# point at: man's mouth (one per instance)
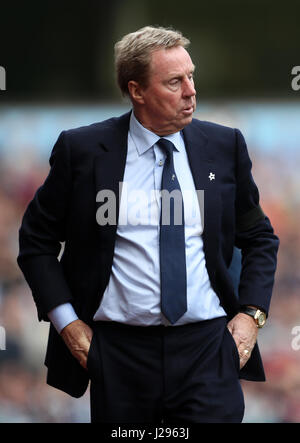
(188, 110)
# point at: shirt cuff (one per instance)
(62, 315)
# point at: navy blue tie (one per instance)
(172, 241)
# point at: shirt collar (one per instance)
(145, 139)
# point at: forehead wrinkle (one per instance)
(180, 72)
(165, 56)
(174, 72)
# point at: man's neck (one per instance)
(146, 123)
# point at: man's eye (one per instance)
(174, 82)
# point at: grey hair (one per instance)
(133, 53)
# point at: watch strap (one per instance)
(256, 314)
(248, 310)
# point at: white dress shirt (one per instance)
(132, 295)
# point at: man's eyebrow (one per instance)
(179, 74)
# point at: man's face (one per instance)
(168, 102)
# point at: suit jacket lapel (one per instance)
(203, 165)
(109, 169)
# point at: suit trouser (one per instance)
(158, 374)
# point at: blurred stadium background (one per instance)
(59, 63)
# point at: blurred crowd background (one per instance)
(59, 63)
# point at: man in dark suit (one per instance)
(143, 307)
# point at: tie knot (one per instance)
(166, 145)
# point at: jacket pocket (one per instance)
(90, 356)
(235, 352)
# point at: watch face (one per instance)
(261, 319)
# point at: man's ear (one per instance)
(135, 91)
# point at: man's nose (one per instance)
(189, 88)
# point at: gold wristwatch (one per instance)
(258, 315)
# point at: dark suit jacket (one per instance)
(88, 159)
